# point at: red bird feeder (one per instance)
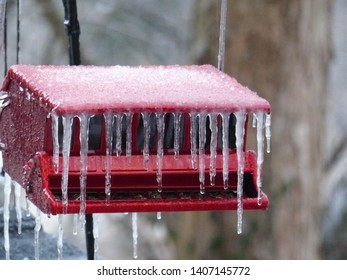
(85, 139)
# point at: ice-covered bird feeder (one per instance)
(95, 139)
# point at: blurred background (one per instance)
(291, 52)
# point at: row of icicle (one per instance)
(261, 120)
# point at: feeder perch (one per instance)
(131, 139)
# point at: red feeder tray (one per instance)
(160, 138)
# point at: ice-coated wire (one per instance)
(222, 27)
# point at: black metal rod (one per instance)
(72, 29)
(89, 237)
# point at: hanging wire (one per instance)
(222, 27)
(3, 28)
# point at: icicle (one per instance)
(177, 121)
(96, 235)
(159, 215)
(17, 194)
(55, 136)
(160, 149)
(254, 122)
(7, 194)
(27, 206)
(84, 137)
(225, 142)
(135, 234)
(129, 130)
(193, 136)
(67, 123)
(146, 133)
(268, 131)
(202, 142)
(119, 134)
(60, 237)
(222, 35)
(37, 233)
(109, 139)
(213, 147)
(75, 223)
(260, 152)
(239, 133)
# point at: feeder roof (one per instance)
(98, 89)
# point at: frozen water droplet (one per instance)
(160, 149)
(268, 131)
(225, 142)
(67, 124)
(108, 163)
(177, 121)
(193, 136)
(37, 233)
(135, 234)
(55, 135)
(239, 133)
(202, 142)
(213, 147)
(260, 152)
(147, 131)
(84, 137)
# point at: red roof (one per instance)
(97, 89)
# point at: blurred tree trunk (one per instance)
(280, 49)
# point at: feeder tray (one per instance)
(148, 131)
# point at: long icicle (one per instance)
(96, 235)
(260, 152)
(239, 133)
(225, 142)
(129, 129)
(37, 233)
(160, 149)
(177, 122)
(202, 142)
(135, 234)
(60, 242)
(55, 136)
(17, 194)
(84, 137)
(193, 136)
(146, 138)
(67, 127)
(268, 131)
(7, 194)
(109, 139)
(119, 117)
(213, 147)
